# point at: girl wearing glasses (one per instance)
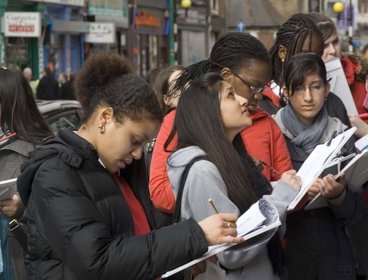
(242, 61)
(318, 244)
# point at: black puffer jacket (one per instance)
(80, 226)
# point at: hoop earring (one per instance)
(101, 129)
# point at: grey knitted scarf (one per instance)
(307, 137)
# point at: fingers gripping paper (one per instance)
(261, 217)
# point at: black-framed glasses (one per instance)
(253, 89)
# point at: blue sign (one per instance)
(240, 26)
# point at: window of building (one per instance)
(215, 6)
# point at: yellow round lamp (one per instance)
(338, 7)
(186, 4)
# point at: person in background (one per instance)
(355, 68)
(27, 73)
(318, 241)
(21, 129)
(48, 87)
(164, 87)
(210, 116)
(167, 97)
(365, 52)
(62, 79)
(88, 208)
(299, 34)
(151, 75)
(66, 90)
(243, 61)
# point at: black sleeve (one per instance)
(76, 231)
(336, 109)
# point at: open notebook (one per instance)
(262, 216)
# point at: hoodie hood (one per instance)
(56, 146)
(178, 160)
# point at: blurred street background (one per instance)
(61, 34)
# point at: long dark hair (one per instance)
(234, 50)
(19, 112)
(292, 35)
(198, 122)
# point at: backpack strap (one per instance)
(183, 178)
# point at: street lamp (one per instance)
(186, 4)
(338, 7)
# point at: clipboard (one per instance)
(314, 165)
(356, 174)
(339, 84)
(8, 188)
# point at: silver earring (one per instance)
(101, 129)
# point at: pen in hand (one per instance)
(228, 224)
(213, 205)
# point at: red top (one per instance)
(161, 193)
(140, 221)
(273, 96)
(263, 141)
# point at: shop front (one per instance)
(109, 16)
(22, 32)
(149, 35)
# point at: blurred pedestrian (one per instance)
(21, 129)
(365, 52)
(67, 89)
(318, 242)
(210, 116)
(86, 195)
(48, 87)
(62, 79)
(27, 73)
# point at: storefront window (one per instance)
(16, 52)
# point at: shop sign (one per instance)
(147, 19)
(101, 33)
(116, 8)
(63, 2)
(19, 24)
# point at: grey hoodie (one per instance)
(204, 181)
